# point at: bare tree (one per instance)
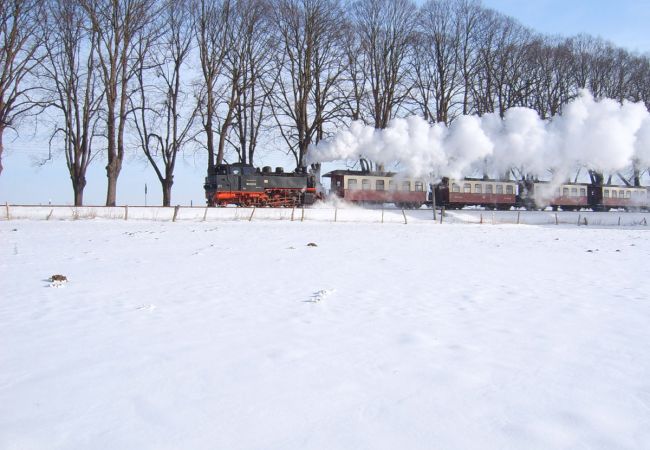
(120, 25)
(436, 64)
(386, 28)
(161, 112)
(21, 35)
(310, 63)
(253, 47)
(73, 79)
(213, 29)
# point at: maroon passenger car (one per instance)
(377, 187)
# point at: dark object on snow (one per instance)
(312, 244)
(59, 278)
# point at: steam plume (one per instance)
(602, 135)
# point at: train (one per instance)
(244, 185)
(374, 188)
(538, 195)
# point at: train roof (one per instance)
(359, 173)
(487, 180)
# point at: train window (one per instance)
(391, 185)
(365, 184)
(489, 189)
(455, 188)
(419, 187)
(406, 185)
(583, 192)
(565, 192)
(467, 188)
(614, 193)
(574, 192)
(606, 193)
(477, 188)
(509, 189)
(352, 184)
(500, 189)
(379, 185)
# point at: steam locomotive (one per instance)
(245, 185)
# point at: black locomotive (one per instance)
(245, 185)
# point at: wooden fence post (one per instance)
(176, 208)
(619, 221)
(302, 217)
(579, 217)
(336, 211)
(7, 208)
(382, 214)
(205, 214)
(442, 214)
(252, 212)
(50, 214)
(293, 210)
(481, 220)
(126, 212)
(557, 222)
(404, 214)
(518, 214)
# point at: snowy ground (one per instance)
(238, 335)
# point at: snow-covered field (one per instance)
(238, 335)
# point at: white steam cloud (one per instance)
(603, 135)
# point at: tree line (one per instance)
(226, 76)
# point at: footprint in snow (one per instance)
(148, 307)
(320, 295)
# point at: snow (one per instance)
(238, 335)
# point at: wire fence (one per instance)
(326, 214)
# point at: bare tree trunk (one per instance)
(78, 187)
(167, 191)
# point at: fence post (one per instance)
(205, 214)
(302, 217)
(556, 221)
(126, 212)
(518, 214)
(382, 214)
(176, 208)
(7, 208)
(579, 217)
(252, 212)
(404, 214)
(442, 214)
(619, 221)
(293, 210)
(50, 214)
(493, 213)
(585, 219)
(481, 220)
(336, 211)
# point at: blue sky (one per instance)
(624, 22)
